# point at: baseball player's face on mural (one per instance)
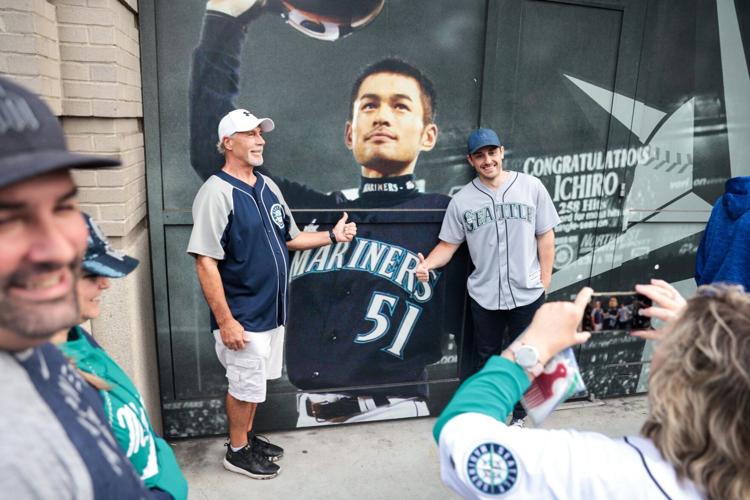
(42, 237)
(90, 289)
(488, 161)
(247, 146)
(387, 131)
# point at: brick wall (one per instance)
(82, 57)
(29, 47)
(116, 198)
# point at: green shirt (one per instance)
(492, 391)
(150, 455)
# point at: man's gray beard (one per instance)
(40, 321)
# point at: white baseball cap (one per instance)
(242, 120)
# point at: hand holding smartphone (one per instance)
(616, 311)
(668, 304)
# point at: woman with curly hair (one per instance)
(695, 441)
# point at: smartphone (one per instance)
(608, 311)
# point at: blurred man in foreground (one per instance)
(54, 440)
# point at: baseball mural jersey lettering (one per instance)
(358, 315)
(343, 330)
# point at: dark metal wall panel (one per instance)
(528, 96)
(152, 126)
(194, 359)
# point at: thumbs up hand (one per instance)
(344, 231)
(422, 270)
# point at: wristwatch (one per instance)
(527, 357)
(332, 236)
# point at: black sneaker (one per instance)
(250, 463)
(264, 446)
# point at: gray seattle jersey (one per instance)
(500, 229)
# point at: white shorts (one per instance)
(249, 368)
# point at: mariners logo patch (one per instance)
(277, 215)
(492, 469)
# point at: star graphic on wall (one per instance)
(662, 187)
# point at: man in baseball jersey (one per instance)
(358, 316)
(507, 220)
(55, 442)
(610, 314)
(624, 315)
(242, 228)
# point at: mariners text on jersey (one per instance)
(391, 262)
(473, 219)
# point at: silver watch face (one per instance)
(527, 356)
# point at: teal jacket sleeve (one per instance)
(492, 391)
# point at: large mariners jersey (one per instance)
(246, 228)
(358, 315)
(54, 440)
(500, 228)
(481, 457)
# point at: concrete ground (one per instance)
(385, 460)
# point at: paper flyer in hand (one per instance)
(560, 380)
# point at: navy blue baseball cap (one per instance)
(31, 138)
(480, 138)
(101, 259)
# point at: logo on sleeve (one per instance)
(277, 215)
(492, 469)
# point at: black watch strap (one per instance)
(332, 236)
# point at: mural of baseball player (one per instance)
(358, 316)
(629, 151)
(507, 219)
